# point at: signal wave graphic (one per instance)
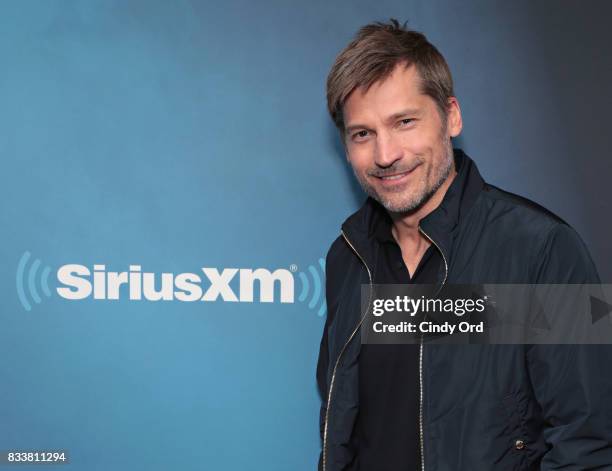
(26, 284)
(317, 298)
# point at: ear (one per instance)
(454, 121)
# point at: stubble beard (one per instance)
(423, 192)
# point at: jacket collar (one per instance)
(363, 228)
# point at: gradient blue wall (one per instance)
(187, 134)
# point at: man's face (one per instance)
(396, 141)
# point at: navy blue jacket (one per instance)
(482, 407)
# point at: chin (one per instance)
(400, 206)
(402, 203)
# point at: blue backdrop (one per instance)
(189, 134)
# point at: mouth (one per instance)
(396, 178)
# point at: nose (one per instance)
(388, 150)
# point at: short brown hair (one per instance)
(373, 54)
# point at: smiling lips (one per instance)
(391, 180)
(395, 177)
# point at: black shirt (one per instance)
(387, 427)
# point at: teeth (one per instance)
(394, 177)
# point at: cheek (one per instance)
(420, 141)
(360, 159)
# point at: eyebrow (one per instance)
(390, 119)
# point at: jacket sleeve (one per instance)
(572, 383)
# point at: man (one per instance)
(431, 218)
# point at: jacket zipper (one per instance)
(333, 377)
(421, 439)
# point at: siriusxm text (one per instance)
(211, 285)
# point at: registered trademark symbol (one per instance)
(293, 267)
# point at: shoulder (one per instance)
(505, 203)
(557, 251)
(343, 268)
(515, 218)
(337, 250)
(337, 258)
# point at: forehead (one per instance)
(400, 90)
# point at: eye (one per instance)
(406, 121)
(360, 134)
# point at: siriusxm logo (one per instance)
(245, 285)
(80, 283)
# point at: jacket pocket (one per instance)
(518, 441)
